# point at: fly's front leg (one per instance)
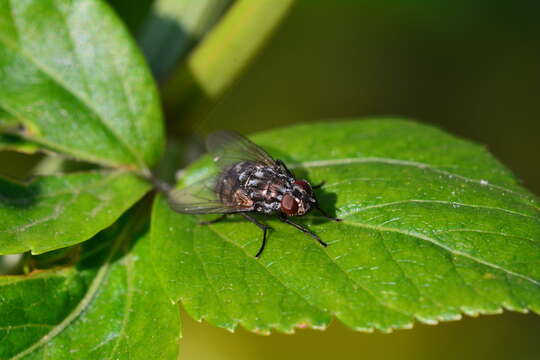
(303, 229)
(263, 227)
(282, 164)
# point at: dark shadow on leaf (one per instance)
(327, 202)
(120, 237)
(17, 195)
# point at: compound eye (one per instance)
(289, 205)
(304, 185)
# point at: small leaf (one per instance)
(57, 211)
(107, 306)
(433, 227)
(72, 76)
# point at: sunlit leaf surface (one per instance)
(433, 227)
(60, 210)
(73, 77)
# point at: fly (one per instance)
(250, 181)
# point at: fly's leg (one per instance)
(319, 185)
(303, 229)
(263, 227)
(279, 162)
(214, 220)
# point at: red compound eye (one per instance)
(289, 205)
(304, 185)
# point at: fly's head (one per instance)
(299, 200)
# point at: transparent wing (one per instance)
(228, 148)
(199, 198)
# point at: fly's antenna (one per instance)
(326, 215)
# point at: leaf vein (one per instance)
(81, 97)
(443, 246)
(405, 276)
(128, 305)
(536, 243)
(98, 280)
(443, 202)
(354, 283)
(272, 275)
(419, 165)
(210, 284)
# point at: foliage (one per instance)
(433, 227)
(97, 308)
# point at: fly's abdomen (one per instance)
(230, 186)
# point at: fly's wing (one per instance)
(199, 198)
(229, 148)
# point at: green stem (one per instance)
(173, 26)
(224, 54)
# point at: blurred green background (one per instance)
(469, 67)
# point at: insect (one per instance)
(249, 181)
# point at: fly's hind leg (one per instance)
(218, 219)
(263, 227)
(303, 229)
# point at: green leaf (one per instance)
(71, 74)
(173, 27)
(61, 210)
(107, 306)
(433, 227)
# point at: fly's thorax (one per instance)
(253, 185)
(264, 185)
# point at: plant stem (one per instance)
(224, 54)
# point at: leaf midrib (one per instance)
(439, 244)
(408, 163)
(110, 175)
(381, 230)
(442, 202)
